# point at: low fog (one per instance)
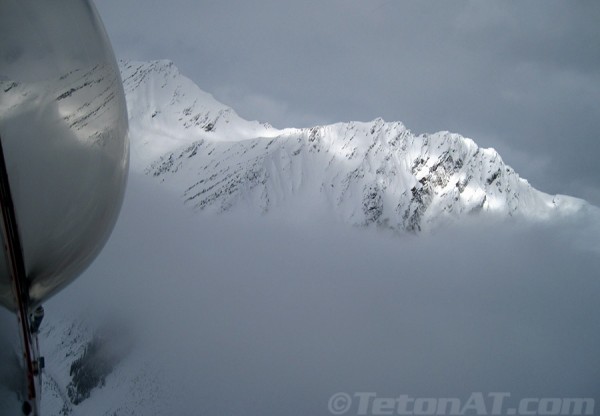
(263, 316)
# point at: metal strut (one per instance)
(16, 268)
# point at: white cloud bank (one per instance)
(255, 316)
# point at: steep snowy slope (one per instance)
(167, 110)
(365, 173)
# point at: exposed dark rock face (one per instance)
(100, 356)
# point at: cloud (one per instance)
(260, 316)
(256, 106)
(524, 73)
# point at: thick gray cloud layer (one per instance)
(251, 316)
(522, 77)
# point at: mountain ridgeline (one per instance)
(365, 173)
(200, 305)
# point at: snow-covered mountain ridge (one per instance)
(181, 312)
(364, 172)
(167, 110)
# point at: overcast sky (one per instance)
(522, 77)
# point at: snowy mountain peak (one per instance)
(217, 301)
(374, 172)
(167, 110)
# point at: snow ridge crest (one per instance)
(367, 173)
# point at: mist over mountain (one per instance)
(260, 271)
